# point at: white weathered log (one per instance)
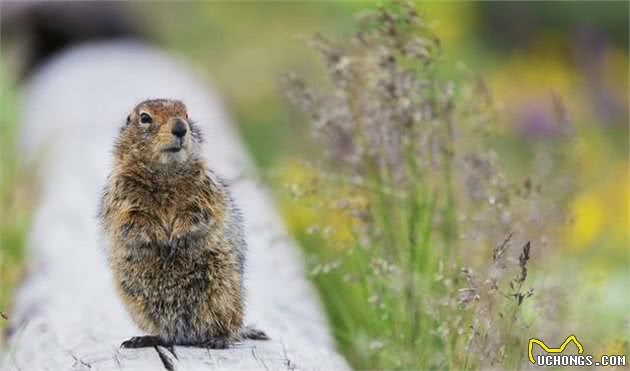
(66, 314)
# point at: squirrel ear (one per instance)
(128, 119)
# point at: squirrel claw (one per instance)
(142, 342)
(175, 244)
(172, 249)
(252, 333)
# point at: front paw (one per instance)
(135, 235)
(191, 225)
(173, 247)
(178, 244)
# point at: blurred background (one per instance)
(536, 58)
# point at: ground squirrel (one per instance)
(174, 236)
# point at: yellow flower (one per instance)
(452, 20)
(602, 211)
(309, 205)
(588, 213)
(616, 195)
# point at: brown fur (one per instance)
(174, 235)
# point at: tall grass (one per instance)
(416, 268)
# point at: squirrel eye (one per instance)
(145, 118)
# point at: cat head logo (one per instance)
(560, 349)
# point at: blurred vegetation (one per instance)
(15, 196)
(429, 216)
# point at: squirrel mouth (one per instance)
(175, 146)
(173, 149)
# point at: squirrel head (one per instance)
(159, 131)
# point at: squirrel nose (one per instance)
(179, 129)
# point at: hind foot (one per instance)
(144, 342)
(215, 343)
(249, 332)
